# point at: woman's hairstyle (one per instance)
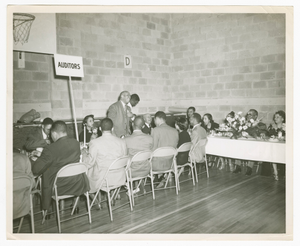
(193, 108)
(181, 123)
(86, 119)
(281, 113)
(210, 118)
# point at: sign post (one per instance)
(70, 66)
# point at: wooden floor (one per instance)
(223, 203)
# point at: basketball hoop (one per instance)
(21, 27)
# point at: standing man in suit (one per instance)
(62, 152)
(134, 100)
(163, 136)
(118, 113)
(136, 142)
(198, 132)
(40, 137)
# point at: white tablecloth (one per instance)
(247, 149)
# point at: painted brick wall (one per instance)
(215, 62)
(224, 62)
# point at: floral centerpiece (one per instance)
(241, 127)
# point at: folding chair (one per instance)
(20, 183)
(118, 165)
(138, 157)
(201, 143)
(68, 171)
(184, 148)
(164, 152)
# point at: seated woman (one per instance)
(277, 130)
(181, 126)
(90, 131)
(208, 123)
(189, 113)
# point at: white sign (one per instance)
(127, 62)
(68, 65)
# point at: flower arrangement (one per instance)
(240, 127)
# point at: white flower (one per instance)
(251, 120)
(240, 128)
(240, 113)
(245, 134)
(245, 127)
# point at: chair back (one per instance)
(164, 152)
(119, 163)
(69, 170)
(140, 156)
(184, 147)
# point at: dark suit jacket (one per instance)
(182, 157)
(120, 119)
(146, 129)
(35, 140)
(55, 156)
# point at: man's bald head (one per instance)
(138, 123)
(124, 97)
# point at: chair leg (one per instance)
(178, 178)
(20, 225)
(176, 181)
(193, 176)
(75, 204)
(130, 200)
(31, 214)
(109, 205)
(130, 189)
(196, 175)
(88, 206)
(44, 212)
(207, 173)
(57, 215)
(152, 186)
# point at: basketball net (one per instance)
(21, 27)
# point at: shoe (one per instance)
(276, 177)
(161, 184)
(237, 169)
(249, 171)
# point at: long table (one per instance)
(246, 149)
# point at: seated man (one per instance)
(102, 152)
(256, 128)
(39, 138)
(138, 141)
(198, 132)
(21, 168)
(163, 136)
(147, 126)
(62, 152)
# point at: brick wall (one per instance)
(215, 62)
(224, 62)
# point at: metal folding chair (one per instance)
(118, 165)
(201, 143)
(164, 152)
(68, 171)
(138, 157)
(20, 183)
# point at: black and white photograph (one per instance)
(131, 120)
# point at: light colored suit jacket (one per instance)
(120, 119)
(163, 136)
(139, 141)
(102, 152)
(197, 154)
